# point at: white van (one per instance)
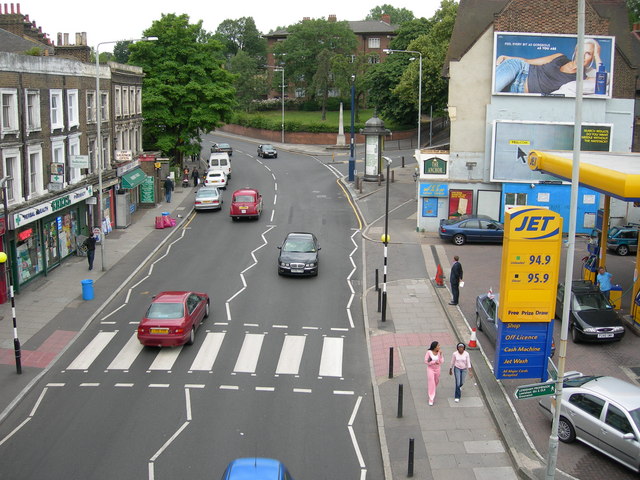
(220, 161)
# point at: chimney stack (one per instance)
(333, 18)
(386, 18)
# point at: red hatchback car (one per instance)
(246, 202)
(172, 319)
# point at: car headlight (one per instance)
(311, 264)
(618, 329)
(284, 264)
(590, 330)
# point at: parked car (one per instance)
(222, 147)
(592, 317)
(602, 412)
(215, 178)
(487, 317)
(208, 198)
(256, 469)
(471, 228)
(623, 240)
(299, 254)
(173, 318)
(267, 150)
(247, 203)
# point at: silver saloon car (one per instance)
(602, 412)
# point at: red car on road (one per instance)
(173, 318)
(246, 202)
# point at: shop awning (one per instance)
(133, 178)
(614, 174)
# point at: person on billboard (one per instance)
(543, 75)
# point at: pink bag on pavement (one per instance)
(166, 221)
(159, 222)
(173, 221)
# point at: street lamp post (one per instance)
(388, 51)
(3, 259)
(352, 143)
(280, 69)
(99, 157)
(386, 244)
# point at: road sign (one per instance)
(535, 390)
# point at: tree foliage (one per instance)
(186, 90)
(634, 11)
(307, 42)
(398, 15)
(250, 79)
(121, 52)
(242, 35)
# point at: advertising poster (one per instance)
(546, 65)
(512, 142)
(460, 203)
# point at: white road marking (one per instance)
(208, 352)
(249, 353)
(331, 359)
(165, 358)
(91, 351)
(291, 355)
(127, 355)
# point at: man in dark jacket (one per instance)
(196, 177)
(455, 278)
(90, 245)
(168, 188)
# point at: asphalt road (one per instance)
(103, 412)
(482, 271)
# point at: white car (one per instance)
(215, 178)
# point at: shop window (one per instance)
(28, 252)
(514, 200)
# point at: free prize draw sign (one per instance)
(528, 283)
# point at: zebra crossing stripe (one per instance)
(249, 353)
(166, 358)
(91, 351)
(208, 352)
(127, 355)
(331, 359)
(291, 355)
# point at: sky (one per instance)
(116, 20)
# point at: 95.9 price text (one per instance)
(538, 277)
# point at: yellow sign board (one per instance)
(530, 264)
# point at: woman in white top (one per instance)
(460, 365)
(433, 359)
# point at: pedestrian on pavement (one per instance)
(90, 245)
(195, 175)
(168, 188)
(433, 359)
(460, 365)
(456, 280)
(603, 280)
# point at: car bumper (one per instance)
(599, 337)
(306, 271)
(207, 207)
(149, 340)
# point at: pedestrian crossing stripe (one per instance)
(292, 350)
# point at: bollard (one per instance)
(400, 394)
(403, 161)
(393, 176)
(360, 186)
(379, 301)
(379, 179)
(390, 362)
(410, 469)
(377, 285)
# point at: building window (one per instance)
(104, 106)
(139, 101)
(118, 101)
(125, 101)
(32, 101)
(11, 164)
(333, 92)
(132, 101)
(74, 149)
(514, 200)
(119, 141)
(91, 107)
(9, 111)
(92, 155)
(72, 108)
(374, 58)
(35, 173)
(55, 109)
(106, 156)
(374, 42)
(300, 92)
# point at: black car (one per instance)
(267, 150)
(471, 228)
(222, 147)
(592, 318)
(299, 254)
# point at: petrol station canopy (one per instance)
(613, 174)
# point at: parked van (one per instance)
(220, 161)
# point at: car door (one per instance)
(492, 319)
(195, 309)
(585, 412)
(559, 301)
(471, 229)
(491, 231)
(619, 438)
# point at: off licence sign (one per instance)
(535, 390)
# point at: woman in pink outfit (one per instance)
(433, 359)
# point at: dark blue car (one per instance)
(471, 228)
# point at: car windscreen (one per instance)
(579, 381)
(299, 246)
(635, 416)
(165, 311)
(590, 301)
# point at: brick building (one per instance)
(48, 144)
(496, 119)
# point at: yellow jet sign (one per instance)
(530, 264)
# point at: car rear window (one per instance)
(244, 198)
(165, 311)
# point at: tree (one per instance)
(250, 79)
(398, 15)
(121, 51)
(309, 41)
(634, 11)
(242, 35)
(186, 90)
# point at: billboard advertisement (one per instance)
(546, 65)
(512, 142)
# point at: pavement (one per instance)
(480, 437)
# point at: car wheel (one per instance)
(478, 322)
(275, 156)
(192, 336)
(622, 250)
(206, 310)
(459, 239)
(566, 432)
(574, 334)
(235, 219)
